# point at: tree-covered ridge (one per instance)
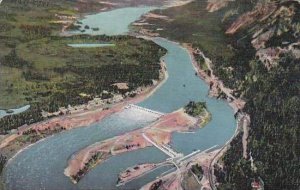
(38, 67)
(274, 136)
(58, 78)
(271, 87)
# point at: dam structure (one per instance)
(142, 109)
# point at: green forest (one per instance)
(39, 68)
(272, 94)
(195, 108)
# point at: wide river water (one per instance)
(42, 165)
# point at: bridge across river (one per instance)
(165, 149)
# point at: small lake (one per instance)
(42, 165)
(13, 111)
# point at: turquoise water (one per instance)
(90, 45)
(114, 22)
(14, 111)
(42, 165)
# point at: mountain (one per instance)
(255, 50)
(271, 86)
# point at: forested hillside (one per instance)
(39, 68)
(254, 47)
(271, 88)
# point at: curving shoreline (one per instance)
(216, 84)
(81, 118)
(216, 88)
(160, 132)
(145, 95)
(236, 104)
(8, 144)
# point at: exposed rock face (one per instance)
(273, 29)
(260, 38)
(215, 5)
(261, 12)
(265, 35)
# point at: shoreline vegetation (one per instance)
(217, 90)
(12, 145)
(33, 135)
(58, 90)
(81, 116)
(198, 110)
(204, 69)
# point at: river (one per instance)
(42, 165)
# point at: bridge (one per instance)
(190, 157)
(132, 106)
(180, 161)
(175, 157)
(165, 149)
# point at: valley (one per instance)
(149, 94)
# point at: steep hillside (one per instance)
(254, 48)
(272, 89)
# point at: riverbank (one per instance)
(135, 172)
(160, 132)
(82, 116)
(216, 85)
(69, 24)
(206, 161)
(217, 90)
